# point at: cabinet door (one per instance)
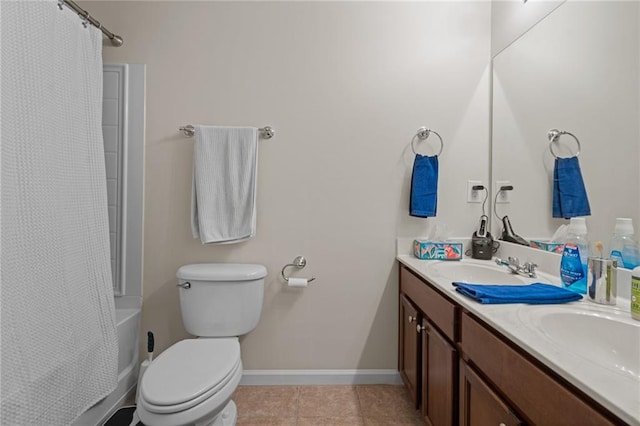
(409, 348)
(439, 377)
(479, 405)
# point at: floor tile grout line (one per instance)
(360, 413)
(298, 393)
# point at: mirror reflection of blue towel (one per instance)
(569, 194)
(533, 294)
(424, 186)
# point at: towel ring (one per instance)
(422, 134)
(299, 262)
(554, 136)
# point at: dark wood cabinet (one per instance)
(427, 321)
(439, 372)
(409, 352)
(479, 405)
(461, 371)
(539, 397)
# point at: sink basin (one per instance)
(610, 339)
(475, 273)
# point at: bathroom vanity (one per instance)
(471, 364)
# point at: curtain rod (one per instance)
(116, 40)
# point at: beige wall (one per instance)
(345, 85)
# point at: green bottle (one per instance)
(635, 293)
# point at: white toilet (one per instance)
(191, 382)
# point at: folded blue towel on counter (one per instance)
(424, 186)
(569, 194)
(533, 294)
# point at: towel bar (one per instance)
(266, 132)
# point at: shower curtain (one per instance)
(58, 335)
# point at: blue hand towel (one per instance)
(533, 294)
(424, 186)
(569, 194)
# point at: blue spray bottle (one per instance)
(575, 254)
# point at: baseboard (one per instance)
(321, 377)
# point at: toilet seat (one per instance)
(189, 373)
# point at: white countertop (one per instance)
(616, 390)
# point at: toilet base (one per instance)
(227, 417)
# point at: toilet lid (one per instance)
(189, 369)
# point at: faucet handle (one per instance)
(530, 268)
(514, 261)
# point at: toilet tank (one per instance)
(221, 299)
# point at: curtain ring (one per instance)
(554, 136)
(85, 19)
(422, 134)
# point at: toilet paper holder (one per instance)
(299, 262)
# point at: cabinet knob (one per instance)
(502, 424)
(419, 328)
(411, 319)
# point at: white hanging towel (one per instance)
(223, 197)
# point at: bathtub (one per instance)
(128, 321)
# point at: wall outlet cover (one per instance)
(503, 197)
(474, 196)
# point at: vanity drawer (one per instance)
(436, 307)
(525, 385)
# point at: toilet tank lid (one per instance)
(221, 272)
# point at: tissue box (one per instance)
(546, 246)
(437, 251)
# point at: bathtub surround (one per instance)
(59, 347)
(346, 85)
(123, 133)
(123, 114)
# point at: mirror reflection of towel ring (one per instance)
(422, 134)
(554, 136)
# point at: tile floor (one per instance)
(374, 405)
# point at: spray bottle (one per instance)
(145, 364)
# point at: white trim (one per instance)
(320, 377)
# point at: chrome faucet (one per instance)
(527, 269)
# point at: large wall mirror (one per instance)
(576, 70)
